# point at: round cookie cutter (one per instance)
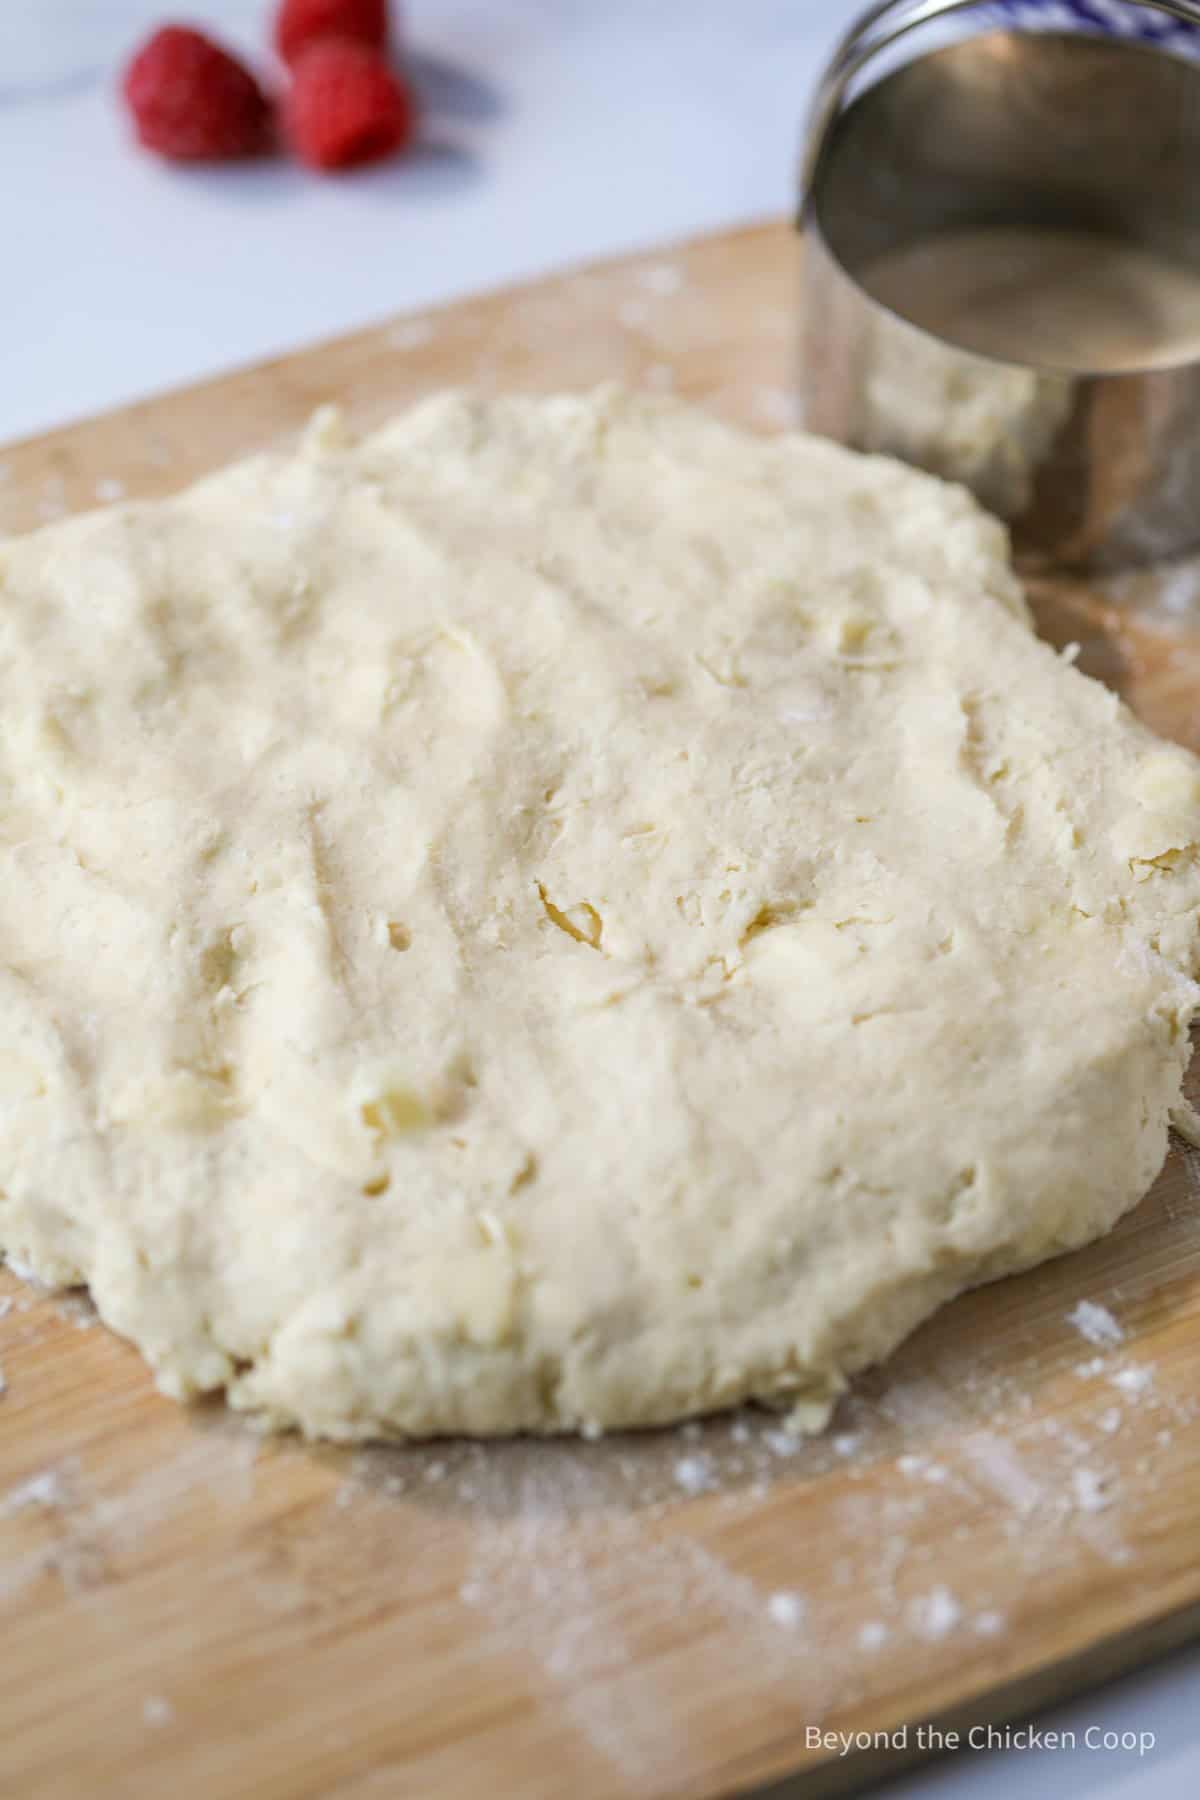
(1094, 468)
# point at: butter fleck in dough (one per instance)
(564, 915)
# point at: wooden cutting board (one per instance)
(1006, 1511)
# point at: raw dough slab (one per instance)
(564, 915)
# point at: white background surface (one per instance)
(554, 130)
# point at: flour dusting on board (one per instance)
(578, 1549)
(1168, 593)
(576, 1556)
(562, 1573)
(1133, 1379)
(1090, 1490)
(694, 1474)
(93, 1528)
(935, 1614)
(575, 1550)
(787, 1609)
(79, 1309)
(1095, 1323)
(45, 1490)
(20, 1269)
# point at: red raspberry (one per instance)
(193, 102)
(345, 106)
(299, 22)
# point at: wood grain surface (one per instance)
(1006, 1511)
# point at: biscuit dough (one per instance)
(564, 915)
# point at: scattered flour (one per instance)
(563, 1574)
(695, 1474)
(919, 1468)
(1090, 1490)
(1133, 1379)
(1095, 1365)
(110, 489)
(77, 1308)
(1169, 589)
(46, 1491)
(1096, 1324)
(998, 1466)
(5, 1305)
(787, 1609)
(157, 1712)
(935, 1614)
(570, 1547)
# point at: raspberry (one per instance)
(193, 102)
(299, 22)
(345, 106)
